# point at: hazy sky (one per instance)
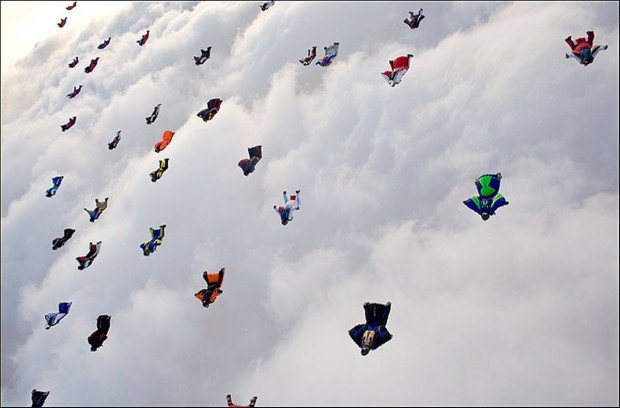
(519, 310)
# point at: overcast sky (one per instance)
(519, 310)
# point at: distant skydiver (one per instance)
(88, 259)
(104, 43)
(144, 38)
(91, 66)
(100, 335)
(584, 50)
(73, 63)
(154, 115)
(163, 143)
(489, 199)
(231, 405)
(290, 204)
(266, 6)
(415, 17)
(331, 52)
(163, 166)
(248, 165)
(51, 192)
(69, 124)
(373, 333)
(71, 7)
(214, 287)
(310, 57)
(399, 66)
(204, 56)
(115, 141)
(99, 208)
(213, 107)
(52, 319)
(62, 23)
(59, 242)
(157, 235)
(38, 397)
(75, 92)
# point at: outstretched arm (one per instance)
(498, 201)
(383, 336)
(596, 51)
(473, 204)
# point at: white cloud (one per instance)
(521, 309)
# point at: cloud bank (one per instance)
(519, 310)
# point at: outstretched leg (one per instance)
(590, 37)
(285, 197)
(570, 42)
(297, 197)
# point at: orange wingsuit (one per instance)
(166, 139)
(214, 284)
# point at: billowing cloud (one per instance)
(521, 309)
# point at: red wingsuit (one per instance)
(581, 44)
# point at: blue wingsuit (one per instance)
(376, 319)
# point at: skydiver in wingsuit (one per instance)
(97, 338)
(148, 247)
(290, 204)
(266, 6)
(69, 124)
(415, 17)
(91, 66)
(488, 199)
(115, 141)
(231, 405)
(163, 166)
(372, 334)
(62, 23)
(38, 398)
(214, 287)
(59, 242)
(104, 43)
(99, 208)
(204, 56)
(399, 66)
(213, 107)
(310, 57)
(163, 143)
(331, 52)
(88, 259)
(142, 40)
(154, 115)
(75, 92)
(584, 50)
(73, 63)
(50, 192)
(248, 165)
(52, 319)
(71, 7)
